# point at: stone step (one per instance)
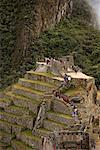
(6, 137)
(27, 92)
(11, 128)
(58, 105)
(54, 125)
(38, 85)
(42, 132)
(60, 117)
(4, 102)
(17, 110)
(22, 101)
(29, 139)
(19, 145)
(24, 120)
(44, 77)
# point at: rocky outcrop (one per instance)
(48, 13)
(44, 14)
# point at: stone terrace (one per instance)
(19, 108)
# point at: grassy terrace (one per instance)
(3, 133)
(74, 91)
(55, 122)
(66, 116)
(43, 130)
(15, 116)
(21, 145)
(21, 97)
(5, 100)
(8, 124)
(42, 74)
(19, 87)
(28, 133)
(17, 108)
(51, 85)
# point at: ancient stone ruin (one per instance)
(31, 112)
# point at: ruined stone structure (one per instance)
(67, 140)
(29, 111)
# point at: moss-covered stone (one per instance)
(28, 138)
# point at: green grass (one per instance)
(29, 134)
(74, 91)
(42, 74)
(66, 116)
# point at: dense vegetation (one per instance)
(72, 36)
(13, 16)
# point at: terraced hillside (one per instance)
(19, 110)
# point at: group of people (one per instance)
(65, 98)
(74, 111)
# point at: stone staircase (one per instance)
(19, 108)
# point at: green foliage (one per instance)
(13, 14)
(71, 37)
